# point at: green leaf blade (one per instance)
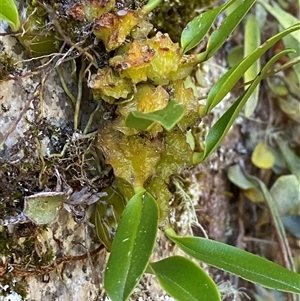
(167, 117)
(239, 262)
(252, 42)
(220, 35)
(196, 29)
(279, 229)
(283, 17)
(132, 246)
(203, 23)
(184, 280)
(9, 13)
(222, 87)
(222, 126)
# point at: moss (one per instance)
(10, 284)
(20, 251)
(6, 243)
(6, 64)
(173, 15)
(20, 246)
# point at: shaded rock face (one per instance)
(22, 106)
(34, 123)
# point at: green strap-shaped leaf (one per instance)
(276, 221)
(239, 262)
(220, 35)
(283, 17)
(225, 84)
(184, 280)
(132, 246)
(167, 117)
(196, 29)
(251, 42)
(9, 13)
(222, 126)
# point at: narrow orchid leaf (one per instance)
(196, 29)
(132, 246)
(184, 280)
(9, 13)
(283, 17)
(251, 42)
(221, 34)
(276, 221)
(239, 262)
(222, 126)
(225, 84)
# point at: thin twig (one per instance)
(79, 95)
(64, 85)
(88, 125)
(33, 271)
(67, 38)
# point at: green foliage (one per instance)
(282, 198)
(291, 158)
(219, 36)
(252, 41)
(155, 117)
(277, 222)
(283, 17)
(197, 29)
(167, 117)
(184, 280)
(222, 87)
(239, 262)
(42, 208)
(132, 246)
(151, 138)
(173, 15)
(246, 265)
(222, 126)
(9, 13)
(37, 39)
